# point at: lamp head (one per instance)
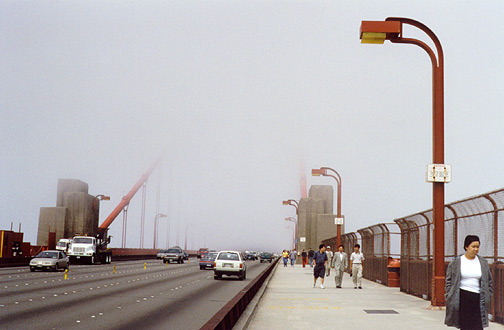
(318, 172)
(376, 32)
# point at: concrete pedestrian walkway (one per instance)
(290, 302)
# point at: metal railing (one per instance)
(380, 243)
(481, 215)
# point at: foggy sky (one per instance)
(240, 96)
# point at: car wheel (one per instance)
(32, 269)
(217, 277)
(56, 268)
(182, 261)
(91, 260)
(201, 268)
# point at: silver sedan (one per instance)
(50, 260)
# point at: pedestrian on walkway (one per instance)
(468, 288)
(329, 260)
(293, 255)
(311, 253)
(339, 263)
(285, 256)
(304, 258)
(320, 258)
(357, 266)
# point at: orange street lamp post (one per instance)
(376, 32)
(294, 203)
(323, 171)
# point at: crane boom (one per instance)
(126, 199)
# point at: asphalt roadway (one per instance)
(174, 296)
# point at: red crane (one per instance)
(126, 199)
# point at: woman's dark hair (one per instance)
(321, 246)
(469, 239)
(357, 246)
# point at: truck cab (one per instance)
(63, 244)
(90, 249)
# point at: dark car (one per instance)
(266, 256)
(250, 256)
(202, 252)
(207, 261)
(174, 254)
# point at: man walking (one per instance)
(292, 256)
(339, 263)
(329, 260)
(320, 258)
(311, 253)
(357, 266)
(304, 257)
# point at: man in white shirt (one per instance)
(357, 266)
(339, 263)
(329, 260)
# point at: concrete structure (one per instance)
(76, 212)
(315, 217)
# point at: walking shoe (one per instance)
(322, 286)
(360, 287)
(313, 284)
(355, 287)
(338, 287)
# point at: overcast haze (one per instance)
(240, 96)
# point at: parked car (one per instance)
(266, 256)
(207, 261)
(174, 254)
(202, 251)
(161, 254)
(230, 263)
(50, 260)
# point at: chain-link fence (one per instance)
(481, 215)
(380, 243)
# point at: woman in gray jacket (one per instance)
(468, 288)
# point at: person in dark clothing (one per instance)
(304, 257)
(311, 253)
(468, 288)
(320, 258)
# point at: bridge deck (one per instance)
(291, 302)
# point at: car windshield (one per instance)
(85, 240)
(172, 251)
(265, 254)
(46, 254)
(228, 256)
(162, 251)
(210, 256)
(61, 244)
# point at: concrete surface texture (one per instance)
(315, 218)
(51, 219)
(291, 302)
(76, 213)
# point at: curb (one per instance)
(248, 313)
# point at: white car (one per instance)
(49, 260)
(230, 263)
